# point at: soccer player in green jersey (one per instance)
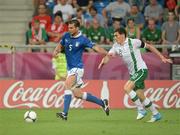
(129, 50)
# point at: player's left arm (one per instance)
(99, 49)
(89, 44)
(154, 50)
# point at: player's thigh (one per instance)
(129, 85)
(77, 74)
(77, 92)
(70, 81)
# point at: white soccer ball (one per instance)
(30, 116)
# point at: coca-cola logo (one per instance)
(17, 96)
(170, 97)
(23, 94)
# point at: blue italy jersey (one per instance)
(74, 48)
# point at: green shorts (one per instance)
(138, 78)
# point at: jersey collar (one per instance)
(125, 42)
(78, 35)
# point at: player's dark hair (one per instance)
(121, 31)
(75, 22)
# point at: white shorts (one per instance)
(78, 72)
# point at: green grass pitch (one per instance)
(88, 122)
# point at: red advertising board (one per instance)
(49, 94)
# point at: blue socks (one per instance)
(67, 100)
(91, 98)
(86, 96)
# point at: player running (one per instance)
(74, 44)
(129, 50)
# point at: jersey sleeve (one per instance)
(88, 43)
(139, 43)
(112, 51)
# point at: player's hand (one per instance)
(164, 60)
(101, 64)
(104, 61)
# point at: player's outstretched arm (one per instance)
(57, 50)
(154, 50)
(99, 50)
(104, 61)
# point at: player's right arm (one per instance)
(57, 50)
(59, 47)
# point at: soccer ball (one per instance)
(30, 116)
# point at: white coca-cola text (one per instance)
(17, 96)
(170, 96)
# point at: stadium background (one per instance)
(26, 83)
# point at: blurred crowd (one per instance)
(153, 21)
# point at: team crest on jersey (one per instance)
(77, 44)
(66, 40)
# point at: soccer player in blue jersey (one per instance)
(74, 43)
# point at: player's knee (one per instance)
(77, 94)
